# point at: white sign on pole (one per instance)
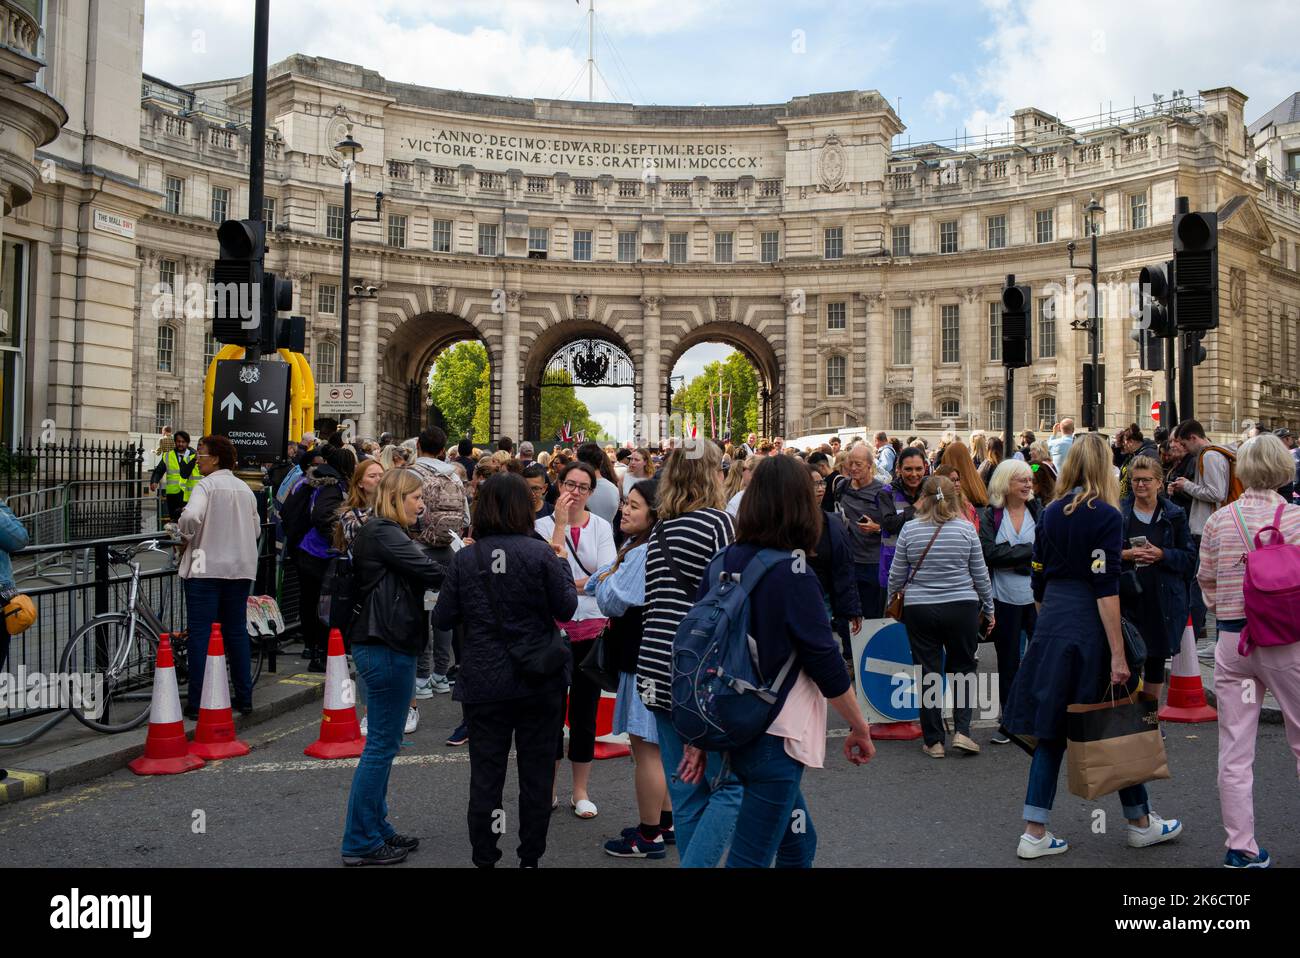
(340, 397)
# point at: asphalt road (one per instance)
(275, 807)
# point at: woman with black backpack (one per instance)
(509, 589)
(390, 631)
(786, 619)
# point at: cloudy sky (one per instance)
(948, 68)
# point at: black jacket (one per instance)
(392, 573)
(534, 591)
(1003, 555)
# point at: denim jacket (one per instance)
(13, 536)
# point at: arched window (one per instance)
(997, 415)
(901, 419)
(1046, 412)
(836, 374)
(166, 349)
(327, 362)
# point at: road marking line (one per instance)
(300, 682)
(21, 785)
(304, 765)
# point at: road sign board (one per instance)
(888, 682)
(340, 397)
(250, 404)
(1155, 411)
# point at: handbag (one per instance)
(1114, 744)
(895, 608)
(598, 665)
(538, 659)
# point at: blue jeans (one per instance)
(224, 601)
(1045, 769)
(703, 817)
(773, 820)
(390, 682)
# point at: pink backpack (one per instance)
(1272, 587)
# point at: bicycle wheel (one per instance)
(123, 676)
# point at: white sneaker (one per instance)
(1049, 844)
(424, 688)
(1158, 831)
(412, 720)
(363, 725)
(440, 683)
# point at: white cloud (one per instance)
(1076, 59)
(939, 103)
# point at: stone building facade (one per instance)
(861, 276)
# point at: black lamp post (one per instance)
(348, 148)
(1092, 402)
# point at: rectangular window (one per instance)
(997, 231)
(948, 237)
(627, 246)
(220, 204)
(441, 231)
(902, 241)
(1046, 412)
(833, 242)
(1137, 211)
(836, 374)
(723, 246)
(995, 332)
(268, 212)
(327, 297)
(397, 231)
(679, 189)
(327, 362)
(210, 349)
(1043, 226)
(167, 275)
(539, 238)
(629, 188)
(997, 415)
(770, 246)
(903, 336)
(175, 194)
(677, 244)
(901, 420)
(1046, 327)
(725, 191)
(334, 222)
(837, 316)
(166, 349)
(165, 414)
(582, 187)
(950, 333)
(582, 245)
(487, 239)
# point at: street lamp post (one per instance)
(1092, 402)
(348, 148)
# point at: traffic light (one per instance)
(1196, 269)
(1154, 310)
(238, 282)
(1094, 393)
(1195, 351)
(277, 296)
(1151, 350)
(1017, 302)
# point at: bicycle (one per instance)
(122, 648)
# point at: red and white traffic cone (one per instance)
(895, 731)
(166, 750)
(215, 735)
(609, 745)
(340, 732)
(1186, 701)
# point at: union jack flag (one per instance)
(566, 432)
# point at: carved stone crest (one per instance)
(438, 296)
(336, 128)
(830, 165)
(722, 308)
(1237, 287)
(580, 304)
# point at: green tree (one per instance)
(483, 407)
(560, 404)
(740, 378)
(455, 387)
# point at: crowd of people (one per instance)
(501, 575)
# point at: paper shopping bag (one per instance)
(1114, 744)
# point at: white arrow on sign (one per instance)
(230, 404)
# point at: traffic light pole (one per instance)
(1186, 387)
(1171, 405)
(1009, 420)
(257, 151)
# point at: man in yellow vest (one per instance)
(177, 468)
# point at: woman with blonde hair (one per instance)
(938, 565)
(392, 457)
(956, 465)
(692, 529)
(979, 447)
(1078, 650)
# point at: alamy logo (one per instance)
(76, 911)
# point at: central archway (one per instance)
(582, 354)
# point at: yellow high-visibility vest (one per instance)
(174, 482)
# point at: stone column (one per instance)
(653, 424)
(923, 353)
(877, 417)
(369, 365)
(510, 365)
(972, 356)
(795, 308)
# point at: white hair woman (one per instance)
(1241, 658)
(1006, 529)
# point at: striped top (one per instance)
(1222, 569)
(694, 538)
(953, 570)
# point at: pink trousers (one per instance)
(1239, 685)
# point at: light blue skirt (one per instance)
(630, 713)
